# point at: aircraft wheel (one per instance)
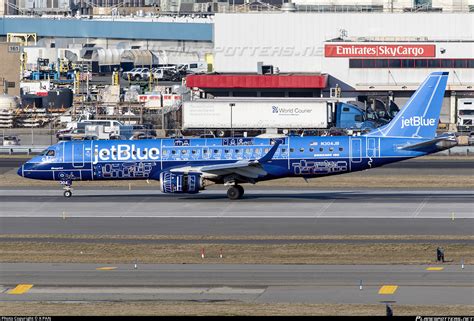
(234, 192)
(67, 194)
(241, 190)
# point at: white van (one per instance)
(194, 67)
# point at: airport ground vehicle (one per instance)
(224, 114)
(189, 165)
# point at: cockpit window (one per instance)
(50, 153)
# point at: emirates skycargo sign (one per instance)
(379, 51)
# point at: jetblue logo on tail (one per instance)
(416, 121)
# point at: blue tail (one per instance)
(420, 115)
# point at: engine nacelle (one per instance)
(180, 182)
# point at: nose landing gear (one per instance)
(235, 192)
(67, 186)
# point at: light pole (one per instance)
(231, 127)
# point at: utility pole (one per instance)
(231, 127)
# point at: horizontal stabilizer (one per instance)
(448, 140)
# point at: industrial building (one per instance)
(10, 68)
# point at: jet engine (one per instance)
(176, 182)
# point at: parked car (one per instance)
(470, 139)
(136, 74)
(10, 140)
(163, 73)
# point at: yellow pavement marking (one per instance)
(106, 268)
(435, 269)
(20, 289)
(388, 289)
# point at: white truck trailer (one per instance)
(258, 113)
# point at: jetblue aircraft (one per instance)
(189, 165)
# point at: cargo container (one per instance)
(273, 113)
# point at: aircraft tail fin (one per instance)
(420, 115)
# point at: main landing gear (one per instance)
(235, 192)
(67, 188)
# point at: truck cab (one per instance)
(352, 117)
(465, 114)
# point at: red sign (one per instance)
(379, 51)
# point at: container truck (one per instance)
(248, 114)
(465, 114)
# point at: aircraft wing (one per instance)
(246, 168)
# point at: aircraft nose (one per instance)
(20, 171)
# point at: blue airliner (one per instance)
(189, 165)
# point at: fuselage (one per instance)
(310, 156)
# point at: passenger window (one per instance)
(193, 151)
(226, 151)
(237, 151)
(301, 149)
(205, 151)
(283, 150)
(154, 152)
(292, 150)
(115, 153)
(184, 151)
(331, 149)
(311, 149)
(267, 150)
(173, 152)
(165, 152)
(341, 149)
(216, 151)
(134, 152)
(144, 152)
(321, 149)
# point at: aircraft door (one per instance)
(78, 154)
(373, 149)
(356, 150)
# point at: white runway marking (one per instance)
(256, 204)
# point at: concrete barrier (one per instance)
(22, 149)
(457, 151)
